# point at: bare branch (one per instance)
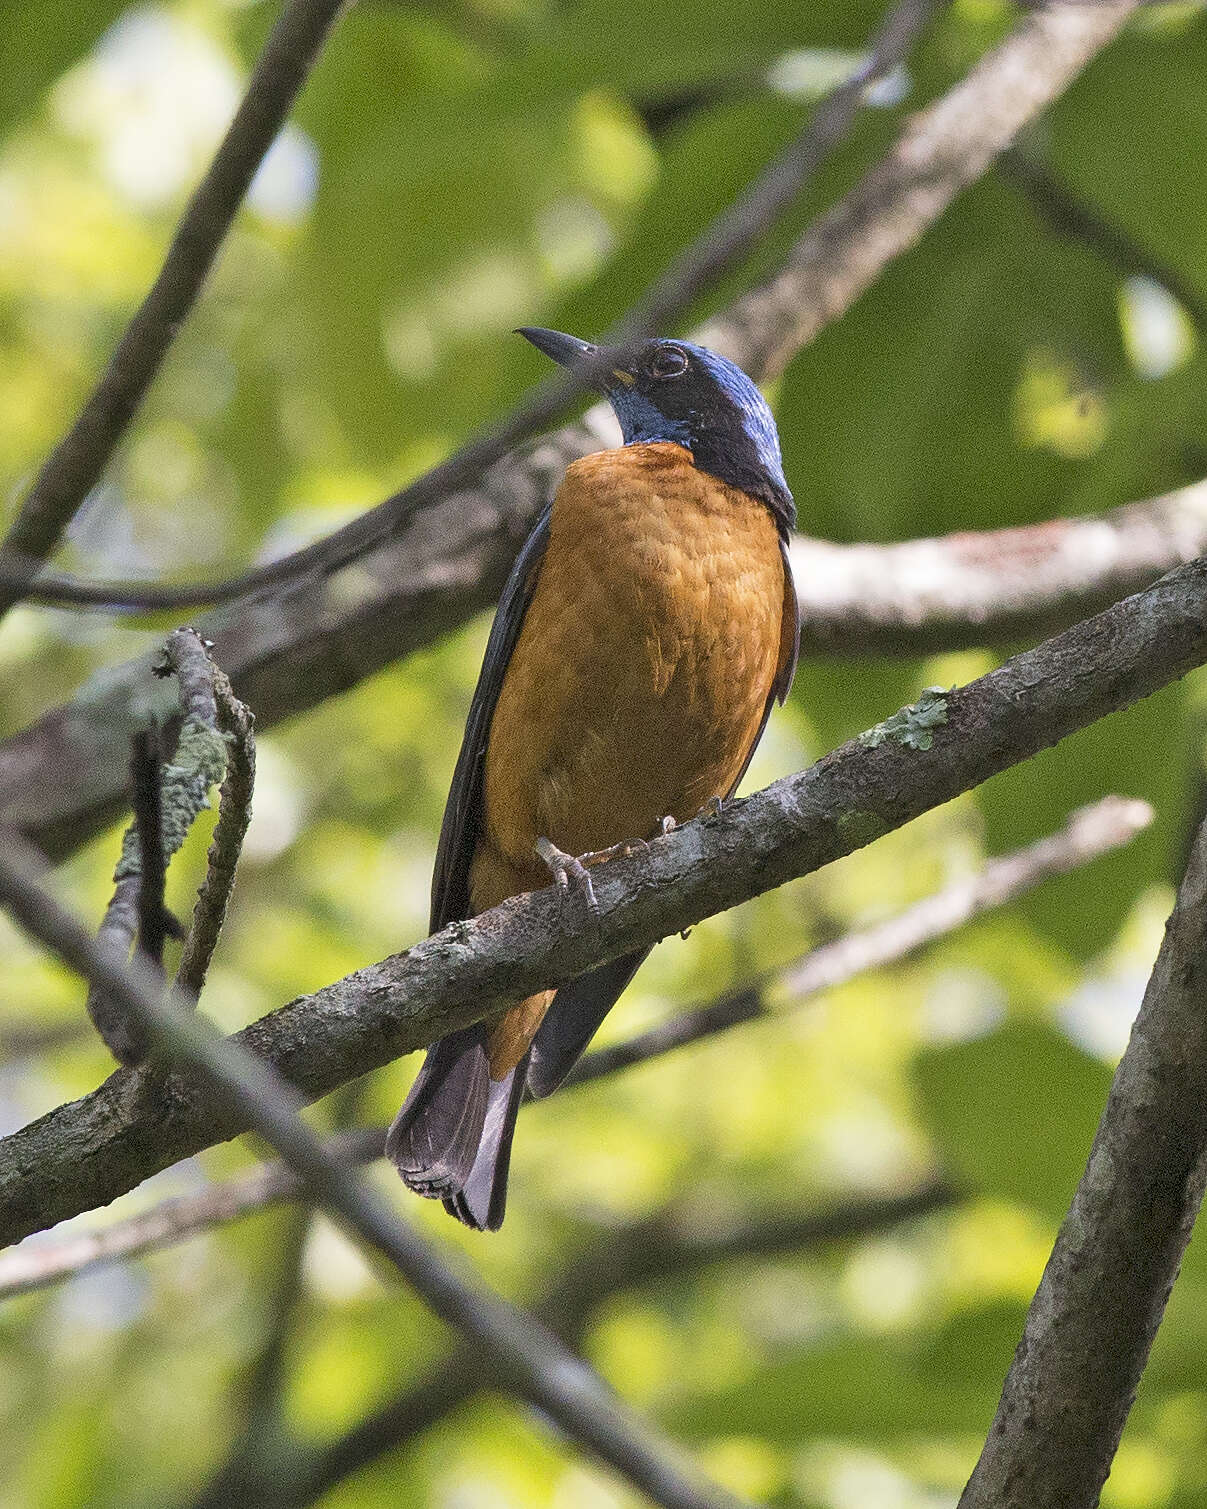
(722, 245)
(1103, 1293)
(1070, 216)
(525, 1356)
(78, 460)
(1090, 832)
(288, 652)
(87, 1153)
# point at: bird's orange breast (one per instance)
(645, 662)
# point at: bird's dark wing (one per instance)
(786, 667)
(463, 814)
(578, 1009)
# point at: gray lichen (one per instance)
(913, 726)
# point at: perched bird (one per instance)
(647, 627)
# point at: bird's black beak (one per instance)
(593, 364)
(565, 350)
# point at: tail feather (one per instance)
(573, 1020)
(435, 1137)
(482, 1200)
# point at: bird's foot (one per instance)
(621, 850)
(568, 870)
(711, 810)
(666, 825)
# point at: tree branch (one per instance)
(1089, 833)
(730, 237)
(1093, 1319)
(86, 1153)
(449, 560)
(527, 1357)
(78, 460)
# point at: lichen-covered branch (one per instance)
(86, 1153)
(167, 801)
(234, 813)
(1104, 1290)
(78, 460)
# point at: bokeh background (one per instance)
(455, 169)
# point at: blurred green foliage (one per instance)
(456, 168)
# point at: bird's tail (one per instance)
(452, 1139)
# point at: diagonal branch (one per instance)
(78, 460)
(1106, 1284)
(288, 652)
(526, 1357)
(722, 245)
(86, 1153)
(1089, 833)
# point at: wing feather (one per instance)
(463, 812)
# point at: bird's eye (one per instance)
(667, 361)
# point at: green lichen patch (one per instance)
(912, 726)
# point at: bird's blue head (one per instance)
(672, 390)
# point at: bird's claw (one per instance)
(712, 809)
(666, 825)
(568, 869)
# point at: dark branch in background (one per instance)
(941, 151)
(524, 1355)
(1089, 833)
(730, 237)
(1103, 1293)
(1074, 218)
(167, 802)
(85, 1154)
(153, 924)
(78, 460)
(287, 653)
(662, 1247)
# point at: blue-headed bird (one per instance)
(647, 628)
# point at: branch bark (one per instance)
(1093, 1319)
(78, 460)
(447, 561)
(86, 1153)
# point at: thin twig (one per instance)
(78, 460)
(720, 247)
(1096, 1311)
(234, 814)
(527, 1357)
(36, 1265)
(918, 759)
(148, 824)
(1089, 833)
(1068, 215)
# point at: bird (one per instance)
(646, 630)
